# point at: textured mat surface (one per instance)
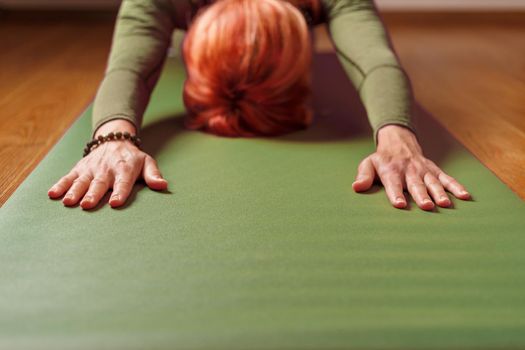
(262, 244)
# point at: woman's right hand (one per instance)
(113, 164)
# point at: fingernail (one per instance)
(69, 195)
(115, 197)
(87, 199)
(399, 200)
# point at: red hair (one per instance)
(247, 64)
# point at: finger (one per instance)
(77, 190)
(453, 186)
(152, 176)
(436, 190)
(62, 185)
(393, 184)
(418, 190)
(365, 175)
(97, 189)
(122, 188)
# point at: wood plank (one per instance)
(54, 68)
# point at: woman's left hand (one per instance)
(399, 164)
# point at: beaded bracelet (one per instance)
(110, 137)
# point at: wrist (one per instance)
(393, 135)
(115, 125)
(113, 130)
(111, 136)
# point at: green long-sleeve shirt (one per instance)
(143, 35)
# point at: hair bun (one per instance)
(248, 68)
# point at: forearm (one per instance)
(370, 62)
(121, 95)
(387, 97)
(140, 42)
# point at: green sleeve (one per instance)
(140, 42)
(363, 48)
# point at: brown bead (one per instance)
(118, 135)
(111, 135)
(126, 135)
(100, 138)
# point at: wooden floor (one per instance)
(470, 74)
(49, 72)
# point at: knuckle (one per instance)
(377, 158)
(103, 172)
(445, 175)
(90, 195)
(440, 174)
(122, 161)
(103, 169)
(428, 177)
(411, 168)
(63, 180)
(393, 182)
(384, 170)
(153, 162)
(460, 186)
(155, 171)
(74, 173)
(411, 180)
(415, 185)
(451, 182)
(361, 167)
(123, 181)
(431, 165)
(412, 172)
(394, 167)
(124, 167)
(444, 180)
(150, 158)
(435, 184)
(82, 179)
(420, 170)
(99, 181)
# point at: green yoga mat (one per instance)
(262, 244)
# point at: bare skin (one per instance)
(115, 164)
(398, 163)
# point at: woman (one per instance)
(247, 63)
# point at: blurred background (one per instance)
(465, 58)
(383, 4)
